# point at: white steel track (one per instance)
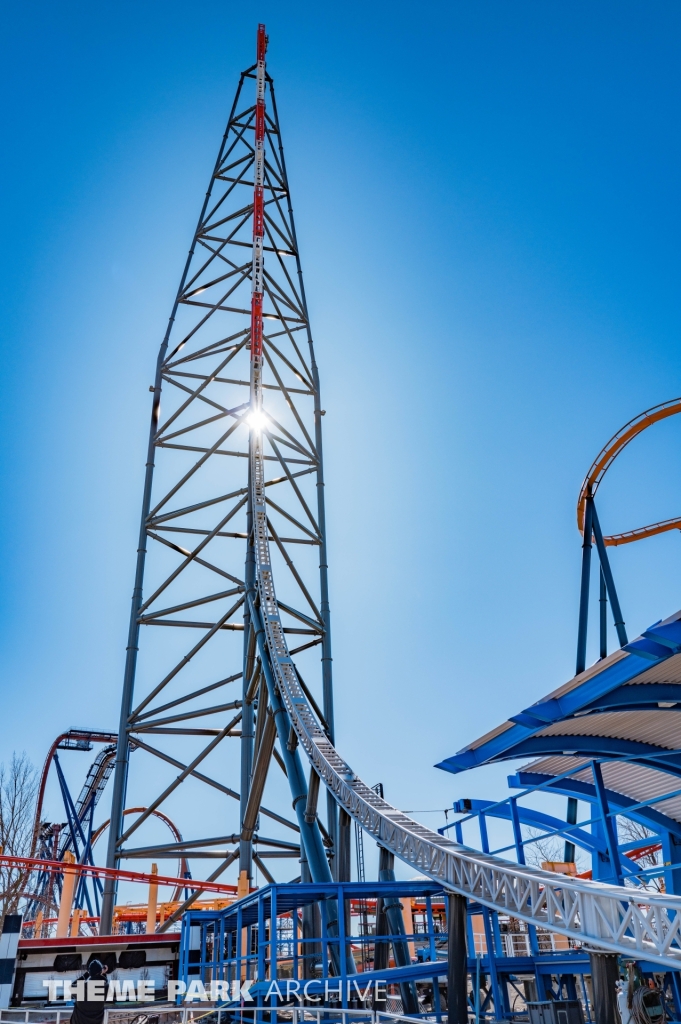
(624, 920)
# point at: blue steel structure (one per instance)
(75, 835)
(609, 741)
(286, 965)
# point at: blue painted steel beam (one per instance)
(584, 588)
(638, 697)
(648, 816)
(611, 747)
(535, 819)
(607, 822)
(309, 831)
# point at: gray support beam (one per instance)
(343, 847)
(381, 949)
(604, 978)
(609, 581)
(312, 927)
(247, 725)
(392, 908)
(260, 770)
(457, 966)
(310, 834)
(603, 617)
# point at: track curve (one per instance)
(604, 461)
(620, 919)
(174, 830)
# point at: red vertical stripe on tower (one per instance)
(261, 44)
(258, 212)
(258, 199)
(259, 120)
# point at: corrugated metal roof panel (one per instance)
(588, 673)
(668, 671)
(492, 734)
(661, 728)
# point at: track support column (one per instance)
(457, 969)
(604, 977)
(607, 575)
(584, 591)
(392, 908)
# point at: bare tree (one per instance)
(545, 848)
(18, 790)
(629, 831)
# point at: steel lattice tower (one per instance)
(238, 371)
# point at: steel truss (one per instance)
(240, 456)
(195, 554)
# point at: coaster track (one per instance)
(604, 460)
(609, 917)
(620, 919)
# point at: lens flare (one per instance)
(257, 420)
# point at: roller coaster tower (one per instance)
(240, 394)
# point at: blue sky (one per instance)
(487, 205)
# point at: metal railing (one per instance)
(186, 1014)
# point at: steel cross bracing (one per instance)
(190, 641)
(205, 364)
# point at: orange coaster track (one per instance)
(604, 461)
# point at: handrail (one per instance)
(621, 919)
(57, 867)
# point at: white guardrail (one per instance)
(608, 917)
(216, 1015)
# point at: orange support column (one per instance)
(66, 901)
(153, 902)
(408, 918)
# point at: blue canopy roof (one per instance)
(624, 708)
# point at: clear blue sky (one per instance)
(487, 199)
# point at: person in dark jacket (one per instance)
(90, 1011)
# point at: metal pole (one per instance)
(604, 978)
(609, 581)
(569, 852)
(123, 747)
(584, 591)
(457, 965)
(603, 604)
(608, 823)
(478, 957)
(392, 908)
